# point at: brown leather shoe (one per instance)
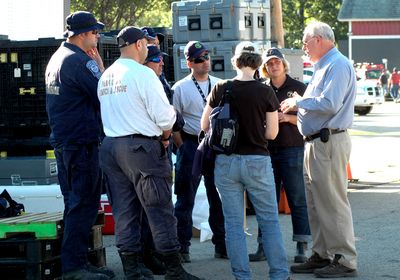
(313, 262)
(335, 270)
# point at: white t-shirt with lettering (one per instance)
(133, 101)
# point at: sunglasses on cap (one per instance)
(201, 59)
(156, 59)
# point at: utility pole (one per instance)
(277, 24)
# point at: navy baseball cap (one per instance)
(80, 22)
(194, 49)
(153, 51)
(153, 34)
(130, 35)
(272, 53)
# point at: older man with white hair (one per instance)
(325, 112)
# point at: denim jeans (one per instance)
(79, 177)
(287, 164)
(185, 189)
(394, 92)
(235, 174)
(139, 179)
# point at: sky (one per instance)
(31, 19)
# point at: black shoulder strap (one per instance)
(226, 96)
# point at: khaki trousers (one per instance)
(329, 209)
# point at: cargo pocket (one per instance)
(156, 191)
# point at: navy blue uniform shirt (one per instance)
(289, 135)
(72, 104)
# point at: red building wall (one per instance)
(376, 27)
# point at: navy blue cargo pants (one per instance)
(79, 178)
(139, 177)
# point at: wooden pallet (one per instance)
(40, 225)
(46, 225)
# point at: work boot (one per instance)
(175, 270)
(259, 255)
(101, 270)
(130, 265)
(154, 263)
(185, 257)
(335, 270)
(83, 274)
(301, 249)
(147, 274)
(314, 262)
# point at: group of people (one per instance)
(390, 83)
(118, 126)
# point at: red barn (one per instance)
(374, 31)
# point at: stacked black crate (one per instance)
(24, 129)
(220, 25)
(30, 246)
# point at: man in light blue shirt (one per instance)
(325, 112)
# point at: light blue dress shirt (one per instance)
(329, 98)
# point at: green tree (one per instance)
(298, 13)
(116, 14)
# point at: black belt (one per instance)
(140, 136)
(318, 135)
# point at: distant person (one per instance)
(394, 82)
(249, 168)
(156, 39)
(137, 120)
(74, 118)
(325, 112)
(151, 258)
(287, 153)
(384, 81)
(190, 94)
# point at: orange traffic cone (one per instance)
(349, 174)
(283, 203)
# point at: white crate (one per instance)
(229, 20)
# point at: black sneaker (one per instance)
(301, 248)
(259, 255)
(314, 262)
(335, 270)
(220, 253)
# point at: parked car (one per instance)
(307, 74)
(368, 95)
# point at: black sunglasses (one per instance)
(95, 32)
(201, 59)
(156, 59)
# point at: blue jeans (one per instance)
(79, 177)
(139, 179)
(185, 189)
(394, 92)
(287, 164)
(235, 174)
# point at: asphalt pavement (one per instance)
(374, 195)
